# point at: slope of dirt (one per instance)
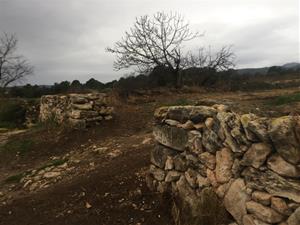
(115, 193)
(101, 180)
(104, 188)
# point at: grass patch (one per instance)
(285, 99)
(56, 162)
(15, 178)
(20, 147)
(12, 113)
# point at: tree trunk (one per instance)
(178, 79)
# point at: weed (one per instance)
(12, 113)
(56, 162)
(16, 178)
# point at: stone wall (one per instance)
(76, 110)
(251, 165)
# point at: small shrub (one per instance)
(285, 99)
(12, 114)
(15, 178)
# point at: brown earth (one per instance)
(108, 186)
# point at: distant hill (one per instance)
(292, 65)
(264, 70)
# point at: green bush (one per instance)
(12, 114)
(285, 99)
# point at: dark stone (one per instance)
(173, 137)
(211, 141)
(158, 155)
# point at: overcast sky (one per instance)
(66, 39)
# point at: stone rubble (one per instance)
(76, 110)
(251, 163)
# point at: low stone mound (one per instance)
(251, 163)
(76, 110)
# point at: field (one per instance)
(50, 175)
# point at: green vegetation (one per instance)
(12, 113)
(20, 147)
(56, 162)
(15, 178)
(285, 99)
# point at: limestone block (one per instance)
(262, 197)
(264, 213)
(283, 134)
(280, 205)
(202, 181)
(282, 167)
(159, 154)
(169, 165)
(86, 106)
(157, 173)
(191, 177)
(180, 163)
(294, 219)
(172, 137)
(208, 160)
(172, 176)
(195, 141)
(273, 183)
(256, 128)
(256, 155)
(211, 141)
(224, 162)
(251, 220)
(235, 200)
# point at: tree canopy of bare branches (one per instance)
(158, 41)
(204, 58)
(14, 68)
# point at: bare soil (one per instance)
(106, 187)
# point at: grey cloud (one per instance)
(65, 40)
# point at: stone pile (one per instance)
(251, 164)
(32, 114)
(76, 110)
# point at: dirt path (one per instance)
(4, 136)
(115, 193)
(102, 188)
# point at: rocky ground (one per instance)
(96, 176)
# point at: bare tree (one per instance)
(219, 61)
(158, 41)
(13, 68)
(153, 41)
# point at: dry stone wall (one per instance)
(252, 165)
(76, 110)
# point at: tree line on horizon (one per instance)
(160, 78)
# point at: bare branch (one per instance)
(220, 61)
(153, 41)
(13, 68)
(158, 41)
